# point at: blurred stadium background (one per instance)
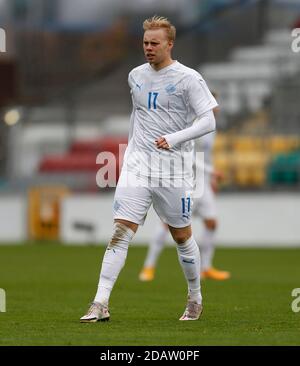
(64, 98)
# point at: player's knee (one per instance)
(181, 235)
(181, 238)
(121, 236)
(211, 224)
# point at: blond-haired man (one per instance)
(171, 107)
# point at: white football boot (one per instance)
(192, 311)
(97, 312)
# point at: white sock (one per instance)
(207, 248)
(189, 258)
(156, 245)
(113, 261)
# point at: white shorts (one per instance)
(172, 204)
(205, 207)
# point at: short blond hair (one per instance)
(158, 22)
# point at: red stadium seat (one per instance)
(72, 163)
(82, 156)
(109, 143)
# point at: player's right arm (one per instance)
(131, 123)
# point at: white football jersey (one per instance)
(203, 168)
(164, 102)
(205, 144)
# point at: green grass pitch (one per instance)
(48, 288)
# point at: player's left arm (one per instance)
(202, 125)
(131, 123)
(202, 102)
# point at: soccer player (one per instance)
(205, 208)
(172, 106)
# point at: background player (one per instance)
(205, 208)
